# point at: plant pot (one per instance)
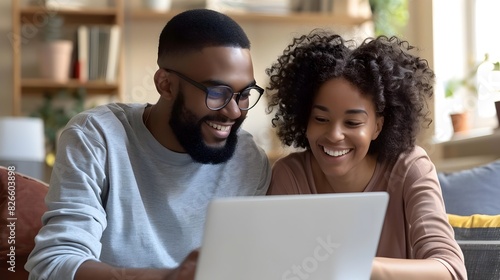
(158, 5)
(55, 60)
(460, 122)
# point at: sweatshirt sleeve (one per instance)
(73, 225)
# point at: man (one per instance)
(131, 183)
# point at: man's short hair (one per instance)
(196, 29)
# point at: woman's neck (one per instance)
(355, 180)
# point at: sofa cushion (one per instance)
(472, 191)
(475, 227)
(479, 239)
(482, 259)
(21, 208)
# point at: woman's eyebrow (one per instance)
(356, 111)
(319, 107)
(350, 111)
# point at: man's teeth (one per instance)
(220, 127)
(335, 153)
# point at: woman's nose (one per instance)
(336, 132)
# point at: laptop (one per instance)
(292, 237)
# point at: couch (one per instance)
(472, 201)
(21, 208)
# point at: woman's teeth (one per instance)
(335, 153)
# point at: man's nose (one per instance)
(231, 110)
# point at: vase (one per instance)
(55, 60)
(460, 121)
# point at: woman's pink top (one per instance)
(416, 225)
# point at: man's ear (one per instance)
(379, 124)
(163, 84)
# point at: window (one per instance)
(487, 41)
(464, 31)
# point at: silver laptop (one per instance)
(292, 237)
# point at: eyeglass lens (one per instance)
(219, 96)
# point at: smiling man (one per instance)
(131, 183)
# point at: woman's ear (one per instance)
(379, 123)
(163, 84)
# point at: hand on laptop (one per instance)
(186, 270)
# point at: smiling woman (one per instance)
(357, 109)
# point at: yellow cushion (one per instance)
(474, 221)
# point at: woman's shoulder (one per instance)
(416, 154)
(414, 163)
(293, 160)
(292, 174)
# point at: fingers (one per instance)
(187, 269)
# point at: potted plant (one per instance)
(460, 94)
(389, 16)
(57, 109)
(55, 51)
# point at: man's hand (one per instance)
(92, 270)
(186, 269)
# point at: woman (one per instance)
(357, 110)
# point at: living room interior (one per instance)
(444, 31)
(444, 41)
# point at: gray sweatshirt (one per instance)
(117, 196)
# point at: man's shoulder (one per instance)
(248, 150)
(105, 112)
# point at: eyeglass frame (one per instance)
(207, 89)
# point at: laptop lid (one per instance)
(292, 237)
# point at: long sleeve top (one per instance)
(416, 225)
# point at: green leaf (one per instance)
(496, 66)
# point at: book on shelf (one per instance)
(114, 52)
(98, 48)
(82, 67)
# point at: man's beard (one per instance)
(187, 129)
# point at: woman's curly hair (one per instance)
(382, 68)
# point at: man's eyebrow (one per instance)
(350, 111)
(222, 83)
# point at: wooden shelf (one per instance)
(298, 18)
(87, 15)
(37, 86)
(30, 19)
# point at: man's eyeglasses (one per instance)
(217, 97)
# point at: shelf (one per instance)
(88, 15)
(28, 20)
(38, 86)
(298, 18)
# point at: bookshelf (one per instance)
(116, 14)
(29, 19)
(289, 18)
